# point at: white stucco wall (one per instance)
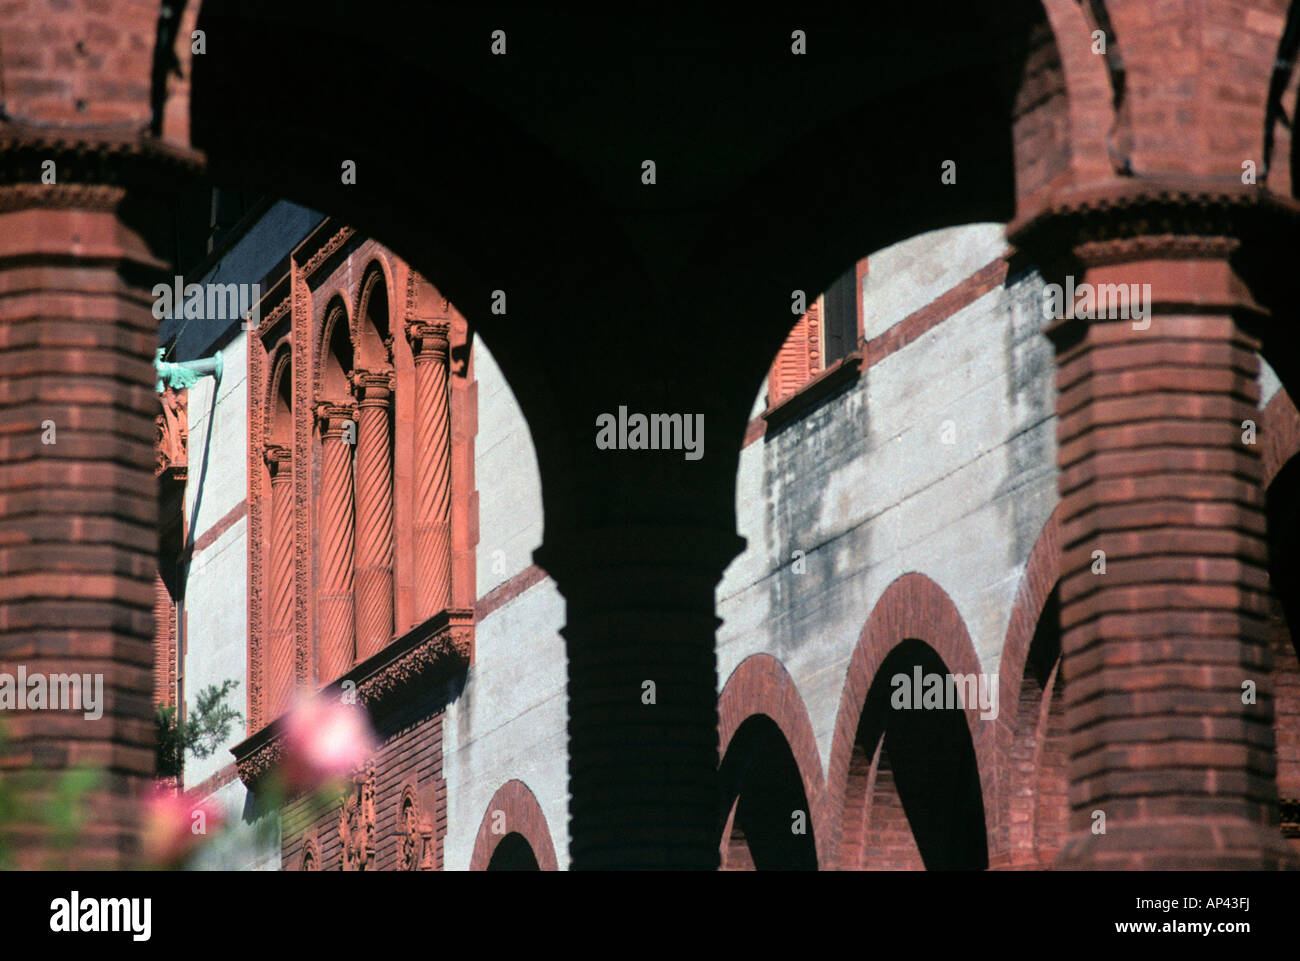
(509, 721)
(866, 487)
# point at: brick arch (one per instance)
(760, 685)
(1042, 572)
(524, 817)
(1089, 106)
(912, 607)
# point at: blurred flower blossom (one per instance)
(174, 827)
(325, 740)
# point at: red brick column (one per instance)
(374, 479)
(336, 531)
(1155, 474)
(280, 630)
(78, 499)
(429, 345)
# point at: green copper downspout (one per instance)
(186, 373)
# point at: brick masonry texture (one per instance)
(935, 502)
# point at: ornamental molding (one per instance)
(256, 756)
(424, 656)
(427, 654)
(71, 196)
(95, 167)
(302, 478)
(1155, 218)
(257, 375)
(326, 251)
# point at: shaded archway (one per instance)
(776, 761)
(513, 853)
(514, 821)
(768, 821)
(907, 787)
(1283, 514)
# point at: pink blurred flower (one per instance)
(324, 740)
(175, 827)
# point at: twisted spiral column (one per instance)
(335, 523)
(429, 345)
(280, 630)
(374, 480)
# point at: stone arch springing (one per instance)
(513, 813)
(909, 787)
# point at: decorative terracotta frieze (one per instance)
(357, 822)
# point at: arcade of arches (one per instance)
(1164, 159)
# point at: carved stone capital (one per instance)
(429, 340)
(279, 460)
(372, 388)
(333, 418)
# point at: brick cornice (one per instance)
(1135, 219)
(87, 158)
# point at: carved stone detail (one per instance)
(302, 492)
(357, 823)
(171, 431)
(447, 649)
(415, 825)
(257, 376)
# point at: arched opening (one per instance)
(374, 327)
(767, 823)
(1038, 803)
(913, 798)
(280, 429)
(336, 359)
(1283, 507)
(514, 853)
